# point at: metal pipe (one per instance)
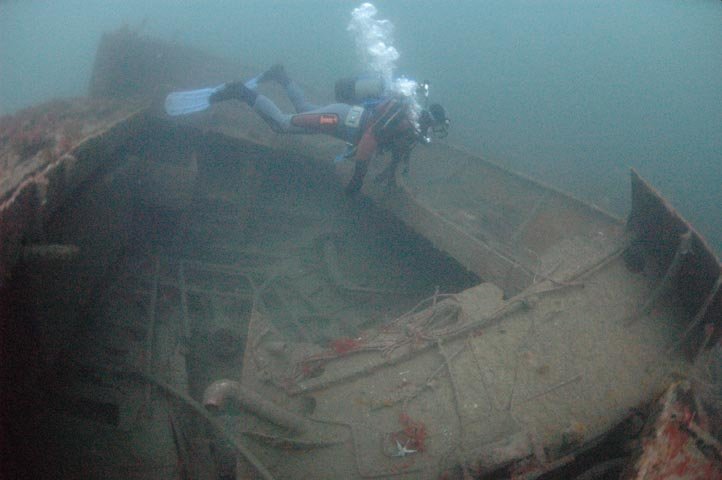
(239, 446)
(218, 394)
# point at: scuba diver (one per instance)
(368, 117)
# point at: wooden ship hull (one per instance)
(196, 298)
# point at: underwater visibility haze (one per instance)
(188, 293)
(570, 93)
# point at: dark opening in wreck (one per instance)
(157, 258)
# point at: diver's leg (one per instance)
(272, 115)
(294, 92)
(262, 105)
(233, 91)
(329, 119)
(298, 99)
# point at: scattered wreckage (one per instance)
(192, 299)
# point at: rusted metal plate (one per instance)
(37, 137)
(45, 153)
(676, 444)
(658, 229)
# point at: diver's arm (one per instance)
(364, 153)
(357, 181)
(399, 155)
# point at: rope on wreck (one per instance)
(514, 304)
(461, 456)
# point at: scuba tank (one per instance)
(360, 89)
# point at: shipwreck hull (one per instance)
(467, 322)
(480, 382)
